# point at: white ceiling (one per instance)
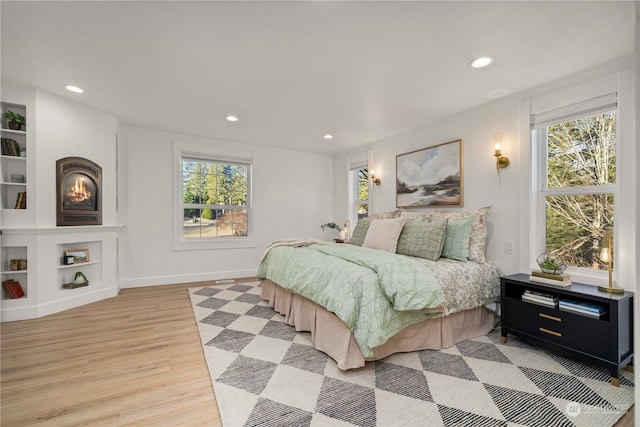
(294, 71)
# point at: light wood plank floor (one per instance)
(135, 359)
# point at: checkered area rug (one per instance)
(265, 373)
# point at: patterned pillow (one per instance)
(383, 234)
(387, 215)
(422, 239)
(360, 231)
(419, 216)
(456, 242)
(478, 238)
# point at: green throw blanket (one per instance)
(376, 293)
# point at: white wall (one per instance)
(482, 185)
(292, 196)
(509, 194)
(65, 128)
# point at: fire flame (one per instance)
(78, 192)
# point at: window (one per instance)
(358, 192)
(215, 198)
(577, 185)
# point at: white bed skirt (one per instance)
(331, 335)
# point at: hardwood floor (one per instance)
(134, 359)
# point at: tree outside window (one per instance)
(214, 198)
(580, 186)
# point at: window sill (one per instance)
(198, 245)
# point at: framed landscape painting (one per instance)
(430, 177)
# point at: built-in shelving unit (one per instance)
(92, 268)
(13, 164)
(9, 253)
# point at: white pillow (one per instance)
(383, 234)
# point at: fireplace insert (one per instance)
(78, 192)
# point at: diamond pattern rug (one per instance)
(265, 373)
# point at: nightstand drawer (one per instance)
(579, 332)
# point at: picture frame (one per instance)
(79, 255)
(431, 177)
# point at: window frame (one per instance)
(540, 191)
(354, 193)
(184, 151)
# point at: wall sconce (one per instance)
(501, 161)
(375, 180)
(606, 255)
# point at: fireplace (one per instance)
(78, 192)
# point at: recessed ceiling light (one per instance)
(327, 136)
(483, 61)
(232, 118)
(75, 89)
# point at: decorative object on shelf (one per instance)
(375, 179)
(15, 121)
(606, 256)
(67, 260)
(439, 180)
(79, 255)
(18, 264)
(17, 178)
(79, 280)
(501, 161)
(551, 263)
(23, 152)
(13, 288)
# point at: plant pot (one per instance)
(14, 125)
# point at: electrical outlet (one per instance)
(508, 247)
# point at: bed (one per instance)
(407, 281)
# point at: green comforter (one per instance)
(375, 293)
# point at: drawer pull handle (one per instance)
(557, 334)
(546, 316)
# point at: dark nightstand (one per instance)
(606, 340)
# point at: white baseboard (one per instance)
(185, 278)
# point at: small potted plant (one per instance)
(550, 263)
(336, 227)
(15, 121)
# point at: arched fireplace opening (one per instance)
(78, 192)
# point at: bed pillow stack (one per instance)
(466, 232)
(455, 235)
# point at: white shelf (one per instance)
(78, 264)
(14, 272)
(14, 132)
(17, 184)
(4, 157)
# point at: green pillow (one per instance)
(422, 239)
(360, 232)
(456, 243)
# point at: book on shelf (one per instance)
(553, 282)
(560, 277)
(540, 301)
(595, 308)
(21, 200)
(10, 147)
(594, 314)
(13, 288)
